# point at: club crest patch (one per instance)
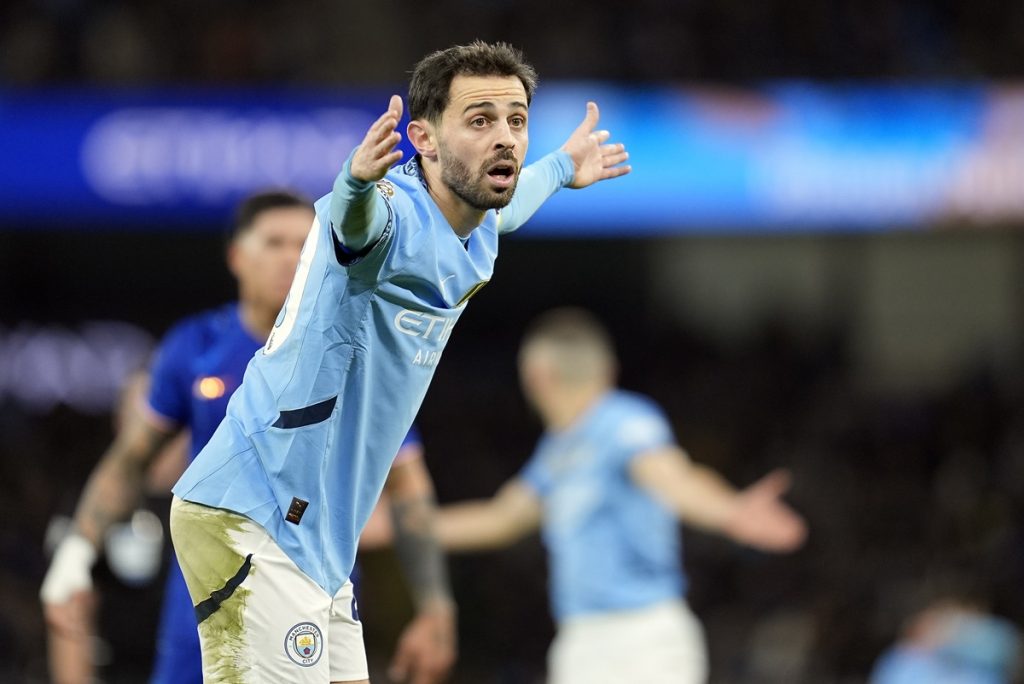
(304, 644)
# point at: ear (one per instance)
(423, 137)
(231, 257)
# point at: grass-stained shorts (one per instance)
(261, 619)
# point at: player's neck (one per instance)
(257, 320)
(462, 217)
(570, 406)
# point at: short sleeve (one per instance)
(170, 389)
(535, 474)
(642, 428)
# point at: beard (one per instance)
(474, 191)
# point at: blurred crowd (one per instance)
(346, 43)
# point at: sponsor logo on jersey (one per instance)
(423, 325)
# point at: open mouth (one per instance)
(502, 173)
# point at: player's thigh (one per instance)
(261, 619)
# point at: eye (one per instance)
(517, 121)
(478, 122)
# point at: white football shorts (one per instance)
(261, 619)
(661, 644)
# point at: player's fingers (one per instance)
(387, 144)
(390, 159)
(796, 527)
(774, 484)
(384, 122)
(601, 136)
(589, 120)
(383, 132)
(786, 530)
(614, 159)
(395, 107)
(612, 148)
(615, 171)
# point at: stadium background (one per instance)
(873, 344)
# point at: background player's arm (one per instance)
(426, 650)
(116, 483)
(509, 515)
(110, 495)
(357, 212)
(413, 518)
(700, 497)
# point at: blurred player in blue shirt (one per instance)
(198, 366)
(268, 515)
(952, 641)
(608, 486)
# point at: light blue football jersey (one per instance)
(310, 435)
(611, 546)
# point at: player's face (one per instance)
(264, 258)
(535, 375)
(482, 139)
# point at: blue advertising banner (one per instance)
(783, 157)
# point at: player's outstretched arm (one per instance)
(110, 495)
(356, 214)
(756, 516)
(427, 649)
(509, 515)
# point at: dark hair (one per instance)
(254, 205)
(432, 77)
(570, 327)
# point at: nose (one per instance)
(504, 140)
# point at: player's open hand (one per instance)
(427, 648)
(594, 158)
(377, 153)
(762, 520)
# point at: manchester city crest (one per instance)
(304, 644)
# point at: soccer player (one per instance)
(608, 485)
(268, 515)
(198, 366)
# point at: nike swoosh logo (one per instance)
(445, 280)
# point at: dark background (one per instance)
(888, 379)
